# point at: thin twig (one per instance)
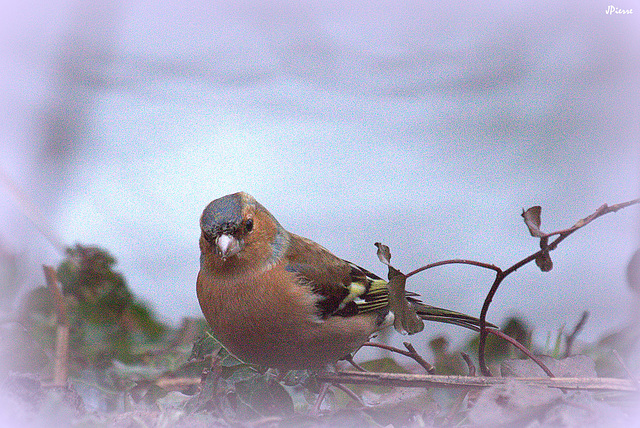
(626, 369)
(30, 211)
(454, 261)
(428, 367)
(522, 348)
(349, 359)
(483, 323)
(58, 300)
(414, 354)
(602, 210)
(576, 330)
(315, 410)
(350, 393)
(470, 366)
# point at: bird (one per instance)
(278, 300)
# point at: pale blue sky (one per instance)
(424, 126)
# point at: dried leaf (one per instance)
(173, 400)
(533, 220)
(384, 254)
(406, 318)
(544, 261)
(207, 345)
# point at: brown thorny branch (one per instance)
(542, 259)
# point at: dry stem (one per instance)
(424, 381)
(61, 364)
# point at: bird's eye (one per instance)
(249, 225)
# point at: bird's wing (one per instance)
(376, 298)
(346, 289)
(341, 286)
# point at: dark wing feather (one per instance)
(329, 276)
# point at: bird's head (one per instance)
(236, 227)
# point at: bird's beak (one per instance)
(227, 246)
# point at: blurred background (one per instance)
(424, 125)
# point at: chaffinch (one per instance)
(279, 300)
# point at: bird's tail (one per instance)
(433, 313)
(376, 297)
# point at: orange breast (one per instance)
(271, 320)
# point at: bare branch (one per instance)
(471, 367)
(425, 381)
(500, 275)
(324, 388)
(350, 393)
(414, 354)
(602, 210)
(455, 261)
(58, 300)
(349, 359)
